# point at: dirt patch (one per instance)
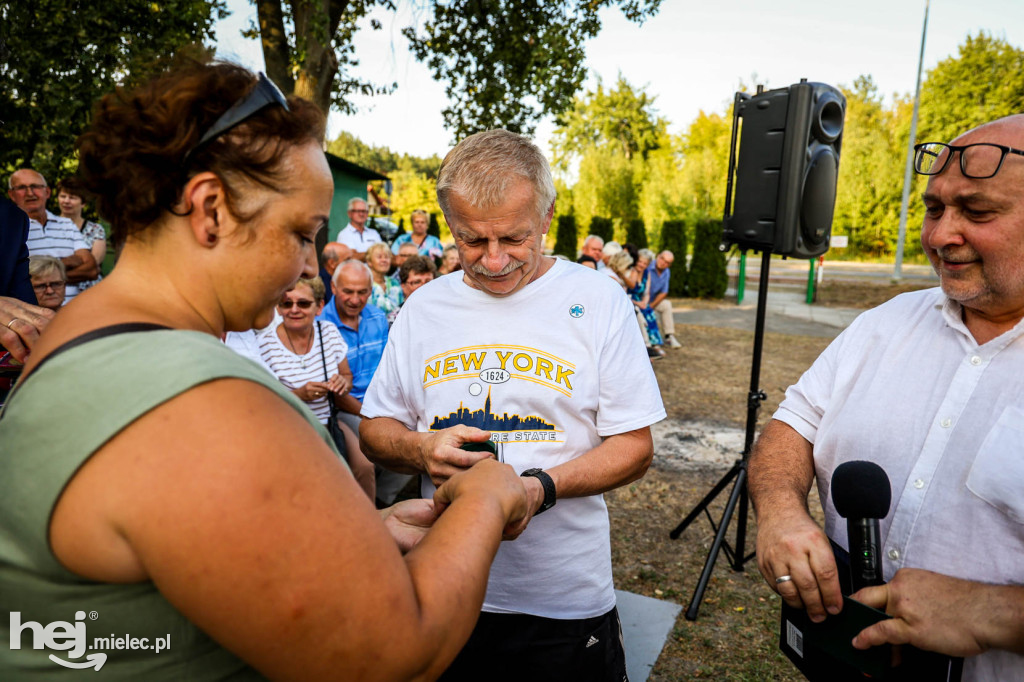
(846, 294)
(705, 386)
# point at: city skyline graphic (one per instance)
(488, 421)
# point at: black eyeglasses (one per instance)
(25, 188)
(263, 94)
(302, 304)
(43, 286)
(979, 161)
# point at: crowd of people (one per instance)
(247, 504)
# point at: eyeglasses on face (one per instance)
(980, 160)
(43, 286)
(24, 188)
(303, 304)
(263, 94)
(359, 210)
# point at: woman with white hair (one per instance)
(49, 280)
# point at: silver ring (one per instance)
(783, 579)
(13, 320)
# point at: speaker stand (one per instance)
(737, 475)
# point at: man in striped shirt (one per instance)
(51, 235)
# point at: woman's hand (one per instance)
(314, 390)
(339, 384)
(408, 521)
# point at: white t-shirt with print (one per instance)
(549, 370)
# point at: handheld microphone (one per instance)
(861, 493)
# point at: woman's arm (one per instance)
(243, 518)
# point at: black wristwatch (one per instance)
(547, 484)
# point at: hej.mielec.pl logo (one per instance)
(71, 638)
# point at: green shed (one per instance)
(349, 181)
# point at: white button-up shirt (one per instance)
(906, 386)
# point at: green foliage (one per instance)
(565, 241)
(622, 119)
(636, 233)
(606, 187)
(506, 62)
(58, 57)
(707, 277)
(673, 238)
(602, 227)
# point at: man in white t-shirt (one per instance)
(543, 358)
(356, 235)
(51, 235)
(930, 387)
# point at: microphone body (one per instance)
(865, 553)
(862, 495)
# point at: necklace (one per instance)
(309, 341)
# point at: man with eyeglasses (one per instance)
(51, 235)
(930, 387)
(356, 235)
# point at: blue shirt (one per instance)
(659, 283)
(431, 245)
(365, 346)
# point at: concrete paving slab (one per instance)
(646, 623)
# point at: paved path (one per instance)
(786, 313)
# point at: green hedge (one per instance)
(566, 237)
(707, 277)
(673, 238)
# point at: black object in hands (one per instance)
(862, 494)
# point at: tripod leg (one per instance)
(719, 487)
(741, 522)
(709, 564)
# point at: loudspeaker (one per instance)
(787, 171)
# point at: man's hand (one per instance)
(22, 324)
(948, 615)
(794, 545)
(535, 498)
(408, 521)
(441, 455)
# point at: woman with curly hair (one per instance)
(191, 494)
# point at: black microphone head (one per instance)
(860, 490)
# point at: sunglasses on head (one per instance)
(303, 304)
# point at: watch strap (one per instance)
(548, 484)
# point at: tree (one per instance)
(506, 62)
(707, 277)
(57, 57)
(602, 227)
(565, 241)
(636, 233)
(673, 238)
(433, 227)
(622, 120)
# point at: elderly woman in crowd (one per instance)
(426, 244)
(449, 261)
(49, 280)
(192, 493)
(640, 293)
(384, 294)
(309, 358)
(71, 199)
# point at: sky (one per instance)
(691, 56)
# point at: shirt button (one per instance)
(975, 360)
(919, 484)
(946, 423)
(894, 554)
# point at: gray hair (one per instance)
(10, 178)
(611, 248)
(353, 200)
(646, 253)
(352, 263)
(481, 168)
(40, 265)
(593, 238)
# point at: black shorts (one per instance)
(521, 647)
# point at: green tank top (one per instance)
(66, 410)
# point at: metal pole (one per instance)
(810, 283)
(909, 168)
(741, 279)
